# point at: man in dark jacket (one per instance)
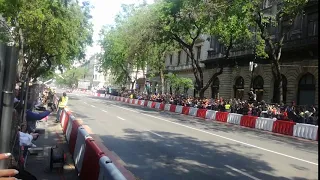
(33, 117)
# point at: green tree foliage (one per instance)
(50, 34)
(144, 34)
(279, 16)
(127, 44)
(179, 84)
(183, 21)
(71, 77)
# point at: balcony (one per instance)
(212, 54)
(182, 67)
(296, 43)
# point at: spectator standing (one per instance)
(33, 117)
(62, 104)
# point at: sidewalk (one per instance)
(37, 164)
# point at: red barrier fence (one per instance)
(185, 110)
(283, 127)
(90, 168)
(65, 122)
(128, 100)
(73, 135)
(173, 108)
(222, 116)
(248, 121)
(139, 102)
(153, 105)
(201, 113)
(162, 106)
(133, 101)
(146, 103)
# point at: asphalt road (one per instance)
(158, 145)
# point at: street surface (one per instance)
(157, 145)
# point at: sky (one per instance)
(104, 13)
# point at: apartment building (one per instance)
(94, 75)
(299, 65)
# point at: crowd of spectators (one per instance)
(291, 112)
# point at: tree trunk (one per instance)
(201, 93)
(21, 60)
(135, 80)
(162, 81)
(278, 93)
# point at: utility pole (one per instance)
(2, 64)
(7, 101)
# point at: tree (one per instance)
(281, 18)
(184, 21)
(179, 83)
(49, 34)
(71, 77)
(126, 45)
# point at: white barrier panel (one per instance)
(130, 101)
(167, 107)
(142, 103)
(179, 109)
(69, 127)
(80, 147)
(234, 118)
(149, 104)
(193, 111)
(108, 171)
(157, 105)
(264, 124)
(211, 114)
(306, 131)
(63, 116)
(125, 99)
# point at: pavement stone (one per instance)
(37, 164)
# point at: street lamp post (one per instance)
(252, 64)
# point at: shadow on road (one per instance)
(180, 157)
(301, 144)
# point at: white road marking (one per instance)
(207, 132)
(85, 102)
(241, 172)
(155, 133)
(120, 118)
(92, 105)
(104, 110)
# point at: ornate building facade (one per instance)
(299, 65)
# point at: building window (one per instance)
(187, 59)
(170, 59)
(215, 88)
(212, 41)
(313, 28)
(239, 88)
(266, 4)
(198, 52)
(258, 87)
(284, 89)
(179, 57)
(307, 90)
(95, 77)
(96, 68)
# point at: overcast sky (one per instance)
(104, 13)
